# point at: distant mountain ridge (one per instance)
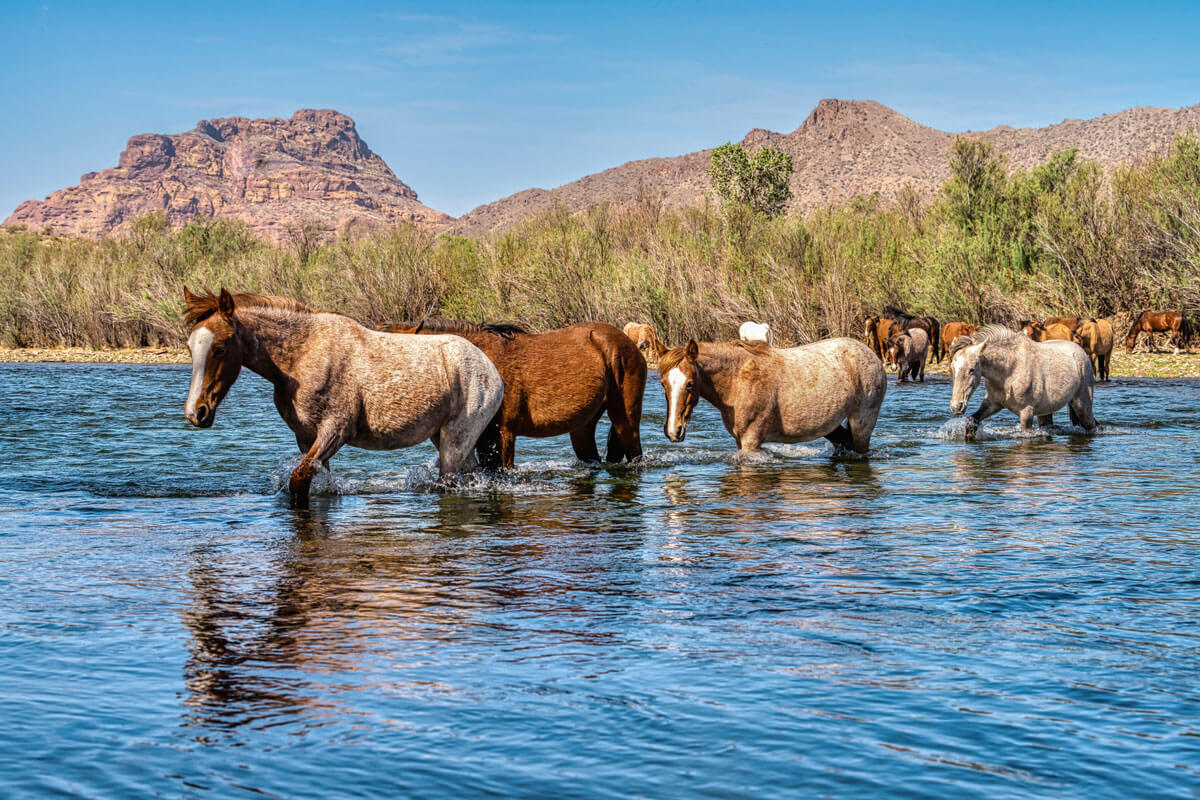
(311, 169)
(847, 148)
(315, 169)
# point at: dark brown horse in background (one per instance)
(877, 332)
(557, 382)
(930, 325)
(1151, 322)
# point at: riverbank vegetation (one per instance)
(993, 245)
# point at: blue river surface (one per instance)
(1014, 617)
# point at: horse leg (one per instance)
(749, 442)
(487, 449)
(625, 413)
(841, 437)
(1045, 420)
(1081, 409)
(329, 439)
(456, 443)
(985, 410)
(1026, 416)
(583, 440)
(508, 448)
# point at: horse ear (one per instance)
(188, 297)
(225, 302)
(420, 326)
(692, 350)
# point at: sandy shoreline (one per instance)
(1135, 365)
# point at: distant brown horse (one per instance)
(1151, 322)
(1044, 332)
(908, 351)
(878, 331)
(1096, 338)
(930, 325)
(338, 383)
(557, 382)
(647, 341)
(953, 330)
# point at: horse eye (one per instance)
(689, 386)
(219, 350)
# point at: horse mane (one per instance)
(988, 333)
(892, 311)
(505, 330)
(722, 350)
(200, 307)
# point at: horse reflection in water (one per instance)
(339, 598)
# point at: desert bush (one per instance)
(995, 245)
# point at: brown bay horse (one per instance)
(1151, 322)
(877, 331)
(930, 325)
(953, 330)
(557, 382)
(338, 383)
(832, 389)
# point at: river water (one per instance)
(1018, 616)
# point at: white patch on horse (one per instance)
(200, 343)
(677, 382)
(755, 332)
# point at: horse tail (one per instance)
(1185, 330)
(936, 335)
(626, 370)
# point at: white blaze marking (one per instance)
(676, 382)
(200, 342)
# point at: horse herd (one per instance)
(472, 389)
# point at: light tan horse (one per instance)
(832, 388)
(1096, 338)
(1050, 331)
(1032, 380)
(338, 383)
(647, 341)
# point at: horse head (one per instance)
(680, 376)
(870, 321)
(966, 372)
(217, 348)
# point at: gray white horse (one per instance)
(1030, 379)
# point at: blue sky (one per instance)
(469, 102)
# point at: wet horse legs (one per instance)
(330, 438)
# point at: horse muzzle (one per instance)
(958, 408)
(202, 416)
(676, 434)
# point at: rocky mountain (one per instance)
(314, 168)
(848, 148)
(275, 174)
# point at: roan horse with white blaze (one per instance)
(832, 388)
(1030, 379)
(338, 383)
